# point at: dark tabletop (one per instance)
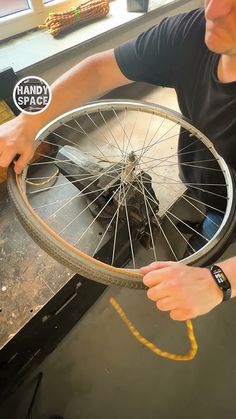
(29, 278)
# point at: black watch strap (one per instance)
(222, 281)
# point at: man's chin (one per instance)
(217, 48)
(213, 44)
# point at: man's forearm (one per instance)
(86, 81)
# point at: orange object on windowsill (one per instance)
(85, 11)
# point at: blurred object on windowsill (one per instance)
(84, 12)
(137, 5)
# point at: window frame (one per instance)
(25, 20)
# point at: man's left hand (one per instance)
(185, 291)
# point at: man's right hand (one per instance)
(17, 138)
(87, 81)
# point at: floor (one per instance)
(99, 370)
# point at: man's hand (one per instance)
(17, 137)
(186, 292)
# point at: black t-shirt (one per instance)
(174, 54)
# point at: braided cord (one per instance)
(76, 13)
(58, 22)
(193, 343)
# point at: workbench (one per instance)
(40, 300)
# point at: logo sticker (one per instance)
(32, 95)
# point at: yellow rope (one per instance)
(44, 182)
(193, 344)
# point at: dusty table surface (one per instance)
(29, 277)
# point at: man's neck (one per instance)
(227, 68)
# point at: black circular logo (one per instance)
(32, 95)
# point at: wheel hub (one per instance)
(127, 194)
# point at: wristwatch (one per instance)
(222, 281)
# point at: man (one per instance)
(196, 54)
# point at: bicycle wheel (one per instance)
(113, 191)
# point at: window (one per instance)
(18, 16)
(15, 6)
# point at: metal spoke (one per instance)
(108, 128)
(203, 203)
(159, 225)
(129, 232)
(160, 166)
(181, 234)
(94, 144)
(158, 141)
(116, 225)
(97, 216)
(94, 177)
(128, 191)
(79, 193)
(64, 138)
(132, 131)
(120, 124)
(192, 186)
(116, 215)
(73, 128)
(185, 197)
(145, 138)
(148, 218)
(186, 225)
(169, 212)
(101, 133)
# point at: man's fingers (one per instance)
(157, 292)
(6, 158)
(155, 265)
(159, 275)
(153, 278)
(166, 304)
(180, 315)
(23, 160)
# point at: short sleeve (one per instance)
(155, 55)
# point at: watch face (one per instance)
(220, 278)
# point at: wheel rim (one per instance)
(112, 131)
